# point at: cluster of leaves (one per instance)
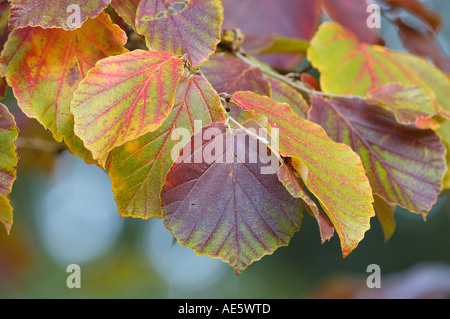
(360, 128)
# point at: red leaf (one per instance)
(262, 18)
(405, 165)
(54, 13)
(223, 206)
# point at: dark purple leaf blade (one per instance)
(228, 210)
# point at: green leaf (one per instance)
(223, 206)
(53, 14)
(44, 67)
(180, 27)
(405, 165)
(124, 97)
(8, 164)
(138, 169)
(331, 171)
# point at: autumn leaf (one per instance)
(228, 74)
(126, 9)
(444, 133)
(223, 206)
(44, 67)
(331, 171)
(429, 77)
(181, 27)
(4, 18)
(405, 165)
(295, 19)
(8, 164)
(138, 169)
(124, 97)
(350, 67)
(284, 93)
(266, 17)
(54, 13)
(447, 176)
(407, 103)
(385, 215)
(4, 33)
(288, 177)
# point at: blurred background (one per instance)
(64, 213)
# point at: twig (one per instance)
(295, 85)
(239, 125)
(247, 131)
(36, 144)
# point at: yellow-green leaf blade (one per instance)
(123, 98)
(348, 66)
(385, 215)
(8, 164)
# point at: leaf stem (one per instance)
(223, 100)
